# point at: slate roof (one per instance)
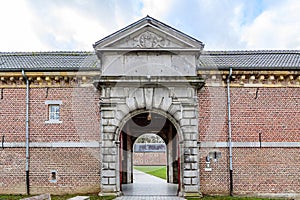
(68, 61)
(48, 61)
(261, 59)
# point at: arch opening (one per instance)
(143, 123)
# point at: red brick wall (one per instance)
(212, 114)
(79, 115)
(266, 170)
(149, 158)
(12, 171)
(217, 180)
(12, 127)
(272, 112)
(78, 169)
(12, 116)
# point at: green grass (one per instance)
(158, 171)
(56, 197)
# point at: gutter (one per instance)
(27, 132)
(229, 134)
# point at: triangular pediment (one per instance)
(148, 34)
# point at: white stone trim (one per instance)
(53, 121)
(249, 144)
(57, 102)
(96, 144)
(93, 144)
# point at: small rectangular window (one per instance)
(54, 112)
(53, 178)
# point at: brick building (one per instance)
(151, 154)
(229, 119)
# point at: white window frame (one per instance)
(53, 178)
(51, 103)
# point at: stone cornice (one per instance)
(240, 78)
(48, 79)
(245, 78)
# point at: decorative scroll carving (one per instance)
(150, 40)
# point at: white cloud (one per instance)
(278, 27)
(156, 8)
(16, 27)
(70, 29)
(41, 25)
(216, 23)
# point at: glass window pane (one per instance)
(54, 112)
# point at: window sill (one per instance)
(53, 122)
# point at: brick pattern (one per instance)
(212, 114)
(12, 117)
(266, 170)
(271, 112)
(78, 169)
(217, 180)
(12, 171)
(79, 114)
(149, 158)
(255, 170)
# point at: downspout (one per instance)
(229, 133)
(27, 131)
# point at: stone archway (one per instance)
(123, 100)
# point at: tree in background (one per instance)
(149, 138)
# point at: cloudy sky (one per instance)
(74, 25)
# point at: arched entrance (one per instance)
(155, 123)
(125, 109)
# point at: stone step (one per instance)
(39, 197)
(80, 198)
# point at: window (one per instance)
(53, 178)
(53, 111)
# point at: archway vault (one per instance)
(155, 112)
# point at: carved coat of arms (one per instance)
(150, 40)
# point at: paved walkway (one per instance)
(147, 187)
